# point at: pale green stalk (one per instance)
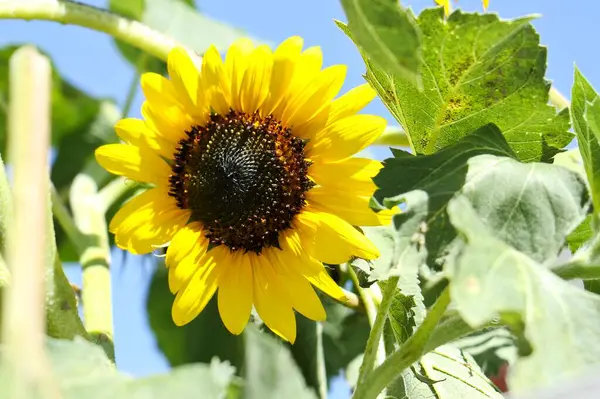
(394, 136)
(29, 246)
(89, 214)
(409, 352)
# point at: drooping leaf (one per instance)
(490, 278)
(476, 70)
(531, 206)
(177, 19)
(269, 370)
(308, 353)
(345, 334)
(491, 349)
(585, 109)
(197, 342)
(83, 371)
(388, 34)
(445, 373)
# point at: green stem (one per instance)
(409, 352)
(558, 99)
(68, 12)
(374, 342)
(89, 211)
(114, 190)
(30, 248)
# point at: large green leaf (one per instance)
(585, 109)
(476, 70)
(83, 371)
(269, 370)
(178, 19)
(199, 341)
(388, 35)
(72, 110)
(445, 373)
(308, 353)
(532, 206)
(489, 278)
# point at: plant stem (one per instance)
(409, 352)
(29, 246)
(68, 12)
(558, 99)
(373, 355)
(88, 211)
(114, 190)
(6, 206)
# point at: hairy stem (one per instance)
(409, 352)
(88, 211)
(30, 247)
(68, 12)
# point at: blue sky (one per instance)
(90, 61)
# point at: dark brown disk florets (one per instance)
(243, 176)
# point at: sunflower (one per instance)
(251, 183)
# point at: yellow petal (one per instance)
(307, 67)
(169, 122)
(148, 221)
(315, 273)
(214, 83)
(446, 4)
(236, 63)
(352, 208)
(486, 3)
(351, 102)
(192, 299)
(316, 94)
(284, 62)
(183, 243)
(272, 302)
(255, 83)
(133, 162)
(304, 298)
(235, 294)
(182, 271)
(335, 239)
(159, 90)
(353, 175)
(135, 132)
(346, 137)
(185, 77)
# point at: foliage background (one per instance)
(90, 61)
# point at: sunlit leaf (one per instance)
(445, 373)
(388, 34)
(582, 234)
(585, 108)
(476, 70)
(531, 206)
(83, 371)
(490, 278)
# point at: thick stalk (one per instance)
(30, 246)
(88, 211)
(409, 352)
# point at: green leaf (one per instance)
(476, 70)
(445, 373)
(582, 234)
(531, 206)
(345, 333)
(308, 353)
(388, 35)
(490, 348)
(72, 110)
(270, 371)
(83, 371)
(178, 19)
(197, 342)
(585, 108)
(490, 278)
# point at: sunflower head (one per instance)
(252, 183)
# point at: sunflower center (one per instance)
(243, 176)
